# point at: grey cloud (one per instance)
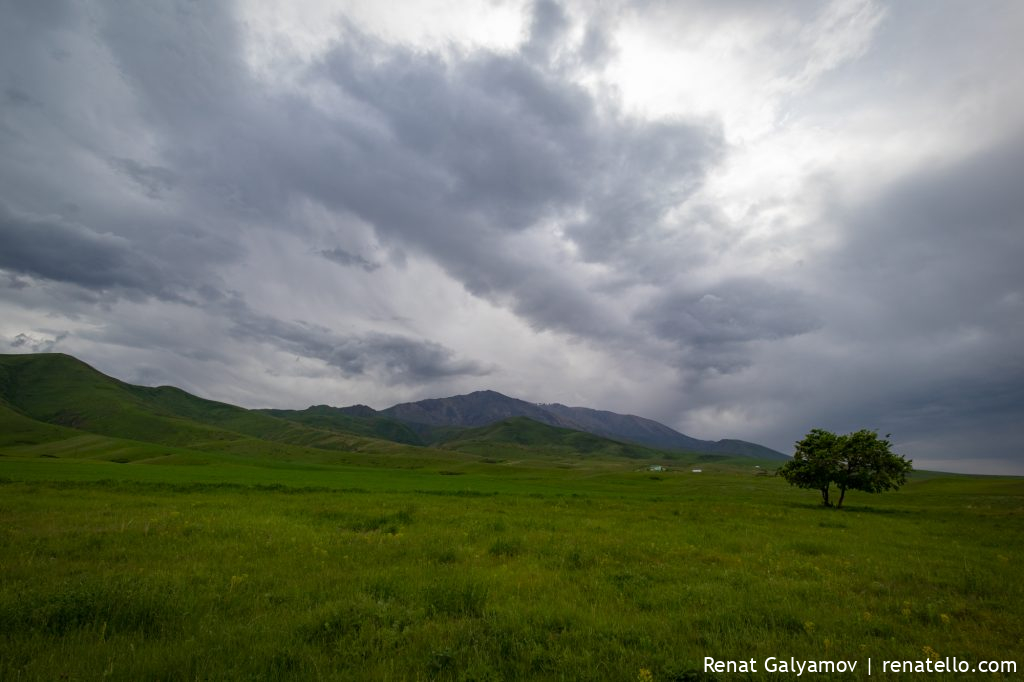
(344, 258)
(25, 342)
(12, 281)
(194, 334)
(942, 248)
(921, 300)
(392, 357)
(18, 97)
(184, 59)
(490, 146)
(452, 157)
(548, 25)
(597, 47)
(52, 248)
(479, 160)
(490, 139)
(445, 156)
(712, 326)
(656, 168)
(154, 180)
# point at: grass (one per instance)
(149, 534)
(231, 571)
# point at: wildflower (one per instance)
(644, 675)
(808, 627)
(945, 618)
(930, 652)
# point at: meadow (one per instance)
(475, 569)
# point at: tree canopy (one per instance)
(855, 461)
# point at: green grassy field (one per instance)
(148, 534)
(467, 570)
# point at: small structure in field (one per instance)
(696, 471)
(656, 467)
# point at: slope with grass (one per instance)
(513, 551)
(342, 420)
(230, 572)
(60, 390)
(51, 397)
(523, 437)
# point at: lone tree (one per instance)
(855, 461)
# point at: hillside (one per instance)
(517, 435)
(60, 390)
(628, 427)
(52, 396)
(345, 420)
(481, 408)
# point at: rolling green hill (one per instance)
(517, 436)
(60, 390)
(74, 410)
(337, 419)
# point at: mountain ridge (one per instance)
(484, 407)
(63, 391)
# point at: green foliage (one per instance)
(556, 576)
(855, 461)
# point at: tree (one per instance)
(855, 461)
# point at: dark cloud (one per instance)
(597, 47)
(19, 97)
(154, 180)
(476, 151)
(51, 248)
(343, 257)
(390, 357)
(547, 27)
(183, 60)
(712, 326)
(145, 162)
(928, 290)
(941, 250)
(168, 266)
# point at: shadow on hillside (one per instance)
(854, 509)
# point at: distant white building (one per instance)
(655, 467)
(696, 471)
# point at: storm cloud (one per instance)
(739, 219)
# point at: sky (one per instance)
(742, 219)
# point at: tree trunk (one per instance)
(824, 496)
(842, 494)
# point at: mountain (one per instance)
(486, 407)
(51, 396)
(476, 409)
(519, 435)
(628, 427)
(656, 435)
